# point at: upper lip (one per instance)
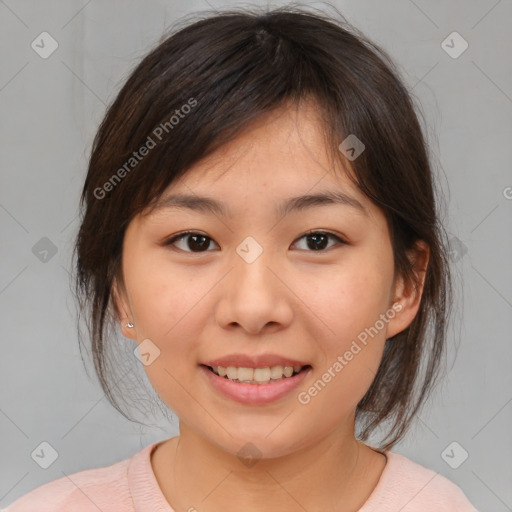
(246, 361)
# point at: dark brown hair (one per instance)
(197, 89)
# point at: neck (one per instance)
(332, 473)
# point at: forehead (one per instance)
(280, 155)
(295, 134)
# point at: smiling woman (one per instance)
(279, 261)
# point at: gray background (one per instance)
(50, 110)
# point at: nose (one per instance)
(254, 296)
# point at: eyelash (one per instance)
(184, 234)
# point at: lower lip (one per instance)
(255, 393)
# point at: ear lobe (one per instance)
(418, 256)
(120, 307)
(408, 294)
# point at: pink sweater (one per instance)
(131, 486)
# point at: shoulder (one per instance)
(411, 487)
(105, 488)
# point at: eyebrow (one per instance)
(293, 204)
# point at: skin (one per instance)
(292, 300)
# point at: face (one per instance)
(313, 285)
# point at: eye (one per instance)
(197, 242)
(318, 238)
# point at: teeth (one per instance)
(256, 375)
(232, 372)
(276, 372)
(242, 374)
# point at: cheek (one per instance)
(166, 306)
(163, 298)
(348, 298)
(349, 302)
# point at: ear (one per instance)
(121, 306)
(407, 296)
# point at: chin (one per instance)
(258, 445)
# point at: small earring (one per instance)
(129, 325)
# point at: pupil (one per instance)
(319, 242)
(316, 244)
(198, 245)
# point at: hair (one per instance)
(222, 71)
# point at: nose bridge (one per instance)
(252, 262)
(254, 296)
(251, 250)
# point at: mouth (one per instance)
(257, 376)
(255, 386)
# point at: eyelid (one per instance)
(341, 239)
(339, 236)
(178, 236)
